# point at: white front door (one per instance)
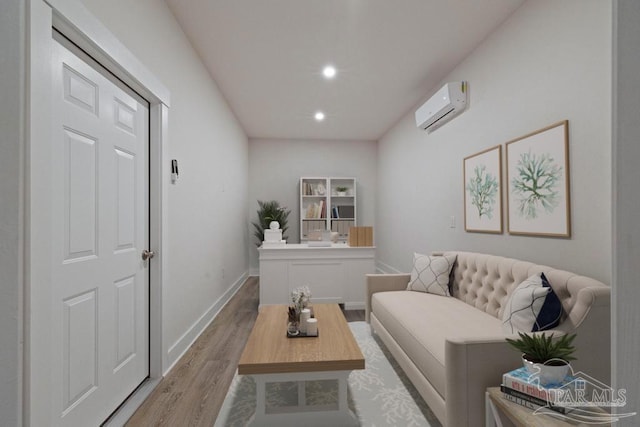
(99, 217)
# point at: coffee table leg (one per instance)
(303, 414)
(302, 393)
(343, 404)
(261, 402)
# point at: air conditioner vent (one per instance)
(443, 106)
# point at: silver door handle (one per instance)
(147, 254)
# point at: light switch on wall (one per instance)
(452, 223)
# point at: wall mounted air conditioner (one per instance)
(444, 105)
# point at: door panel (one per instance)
(125, 318)
(80, 195)
(80, 91)
(100, 328)
(125, 200)
(80, 348)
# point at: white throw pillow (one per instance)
(431, 274)
(533, 306)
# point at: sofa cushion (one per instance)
(532, 306)
(421, 322)
(431, 274)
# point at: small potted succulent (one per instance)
(341, 191)
(544, 355)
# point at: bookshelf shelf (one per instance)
(327, 203)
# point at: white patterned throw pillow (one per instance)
(431, 274)
(533, 306)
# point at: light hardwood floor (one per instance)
(194, 390)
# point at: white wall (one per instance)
(12, 27)
(626, 202)
(548, 62)
(206, 246)
(275, 168)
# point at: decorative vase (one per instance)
(293, 328)
(548, 374)
(342, 193)
(305, 314)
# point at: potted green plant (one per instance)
(543, 354)
(341, 191)
(270, 211)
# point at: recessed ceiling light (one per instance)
(319, 116)
(329, 71)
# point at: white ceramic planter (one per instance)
(548, 374)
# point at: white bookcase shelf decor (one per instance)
(327, 203)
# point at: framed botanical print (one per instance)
(483, 191)
(538, 183)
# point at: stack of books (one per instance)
(520, 387)
(316, 210)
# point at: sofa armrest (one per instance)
(383, 283)
(591, 321)
(472, 365)
(588, 299)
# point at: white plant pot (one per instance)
(548, 374)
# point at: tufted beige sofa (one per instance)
(453, 348)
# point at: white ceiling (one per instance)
(266, 56)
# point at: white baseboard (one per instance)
(180, 347)
(383, 268)
(254, 272)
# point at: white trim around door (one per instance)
(72, 19)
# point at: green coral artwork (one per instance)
(535, 185)
(538, 183)
(483, 191)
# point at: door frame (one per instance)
(75, 22)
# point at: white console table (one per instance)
(334, 274)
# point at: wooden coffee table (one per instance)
(271, 357)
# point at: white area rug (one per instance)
(380, 395)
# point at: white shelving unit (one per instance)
(324, 207)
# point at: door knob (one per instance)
(147, 254)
